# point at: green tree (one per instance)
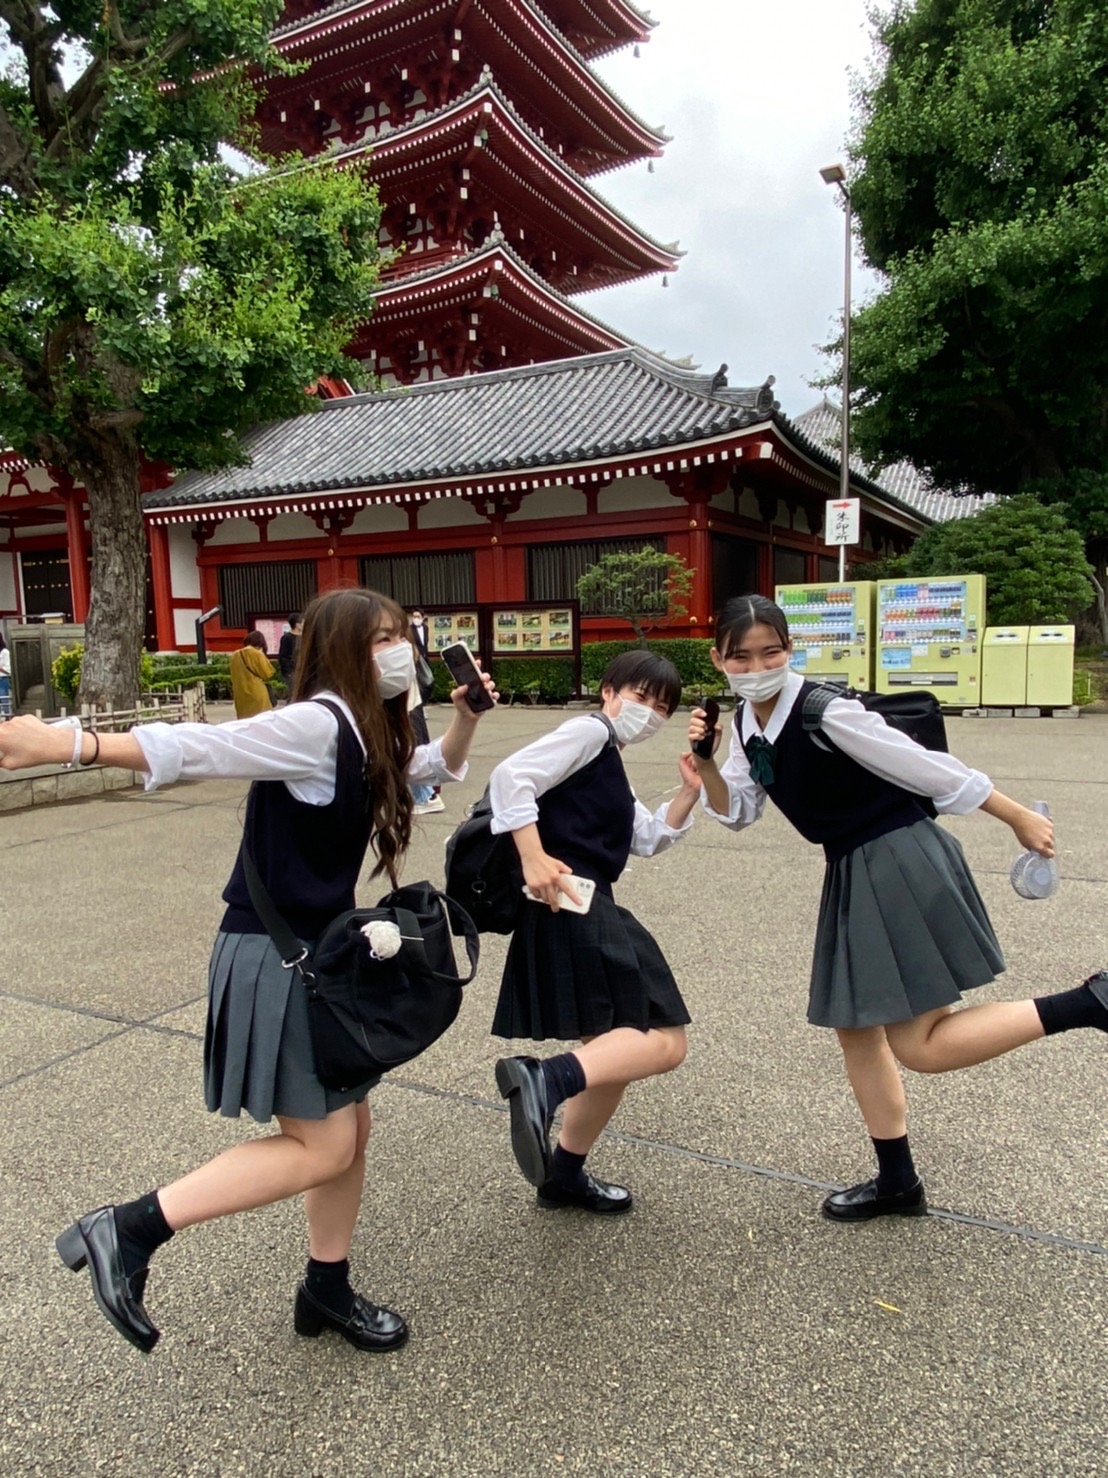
(980, 186)
(646, 588)
(153, 303)
(1033, 561)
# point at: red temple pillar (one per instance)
(158, 538)
(80, 585)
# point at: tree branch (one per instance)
(16, 161)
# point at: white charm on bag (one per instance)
(583, 887)
(1033, 875)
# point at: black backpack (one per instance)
(916, 713)
(483, 873)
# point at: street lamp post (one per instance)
(835, 174)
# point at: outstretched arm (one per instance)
(27, 741)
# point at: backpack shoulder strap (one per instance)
(816, 701)
(606, 721)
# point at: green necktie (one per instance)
(761, 754)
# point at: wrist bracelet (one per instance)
(78, 738)
(95, 750)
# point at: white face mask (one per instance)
(395, 669)
(758, 687)
(635, 722)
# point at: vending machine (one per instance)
(929, 636)
(832, 631)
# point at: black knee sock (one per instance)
(1069, 1009)
(142, 1229)
(566, 1169)
(564, 1077)
(896, 1170)
(329, 1284)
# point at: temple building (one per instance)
(516, 437)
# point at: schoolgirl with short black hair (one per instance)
(331, 772)
(902, 930)
(598, 977)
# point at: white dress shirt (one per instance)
(519, 781)
(864, 736)
(298, 744)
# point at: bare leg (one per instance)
(585, 1117)
(333, 1208)
(625, 1055)
(939, 1041)
(306, 1153)
(875, 1080)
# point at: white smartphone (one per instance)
(583, 887)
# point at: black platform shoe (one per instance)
(93, 1242)
(520, 1081)
(863, 1203)
(367, 1327)
(594, 1195)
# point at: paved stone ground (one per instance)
(722, 1328)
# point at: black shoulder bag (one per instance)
(382, 982)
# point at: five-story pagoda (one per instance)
(482, 123)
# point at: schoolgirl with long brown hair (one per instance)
(331, 771)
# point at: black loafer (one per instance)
(595, 1195)
(521, 1082)
(862, 1203)
(1098, 984)
(94, 1242)
(369, 1326)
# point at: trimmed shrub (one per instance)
(65, 671)
(546, 679)
(690, 655)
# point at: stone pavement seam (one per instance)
(471, 1100)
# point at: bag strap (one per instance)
(293, 953)
(416, 949)
(815, 705)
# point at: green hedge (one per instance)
(547, 679)
(690, 655)
(550, 679)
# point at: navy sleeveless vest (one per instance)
(309, 857)
(588, 820)
(830, 798)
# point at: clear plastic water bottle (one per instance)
(1035, 876)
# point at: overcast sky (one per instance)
(757, 99)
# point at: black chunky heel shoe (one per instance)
(93, 1242)
(368, 1326)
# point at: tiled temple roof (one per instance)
(821, 425)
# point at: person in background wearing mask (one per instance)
(599, 976)
(902, 929)
(331, 772)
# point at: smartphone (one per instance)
(459, 659)
(583, 887)
(703, 747)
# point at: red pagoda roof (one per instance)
(596, 27)
(510, 177)
(373, 44)
(476, 304)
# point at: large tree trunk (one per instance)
(117, 611)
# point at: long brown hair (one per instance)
(336, 655)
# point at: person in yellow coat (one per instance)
(251, 669)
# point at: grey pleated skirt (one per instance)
(571, 975)
(257, 1044)
(902, 930)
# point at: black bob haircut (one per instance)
(647, 673)
(742, 612)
